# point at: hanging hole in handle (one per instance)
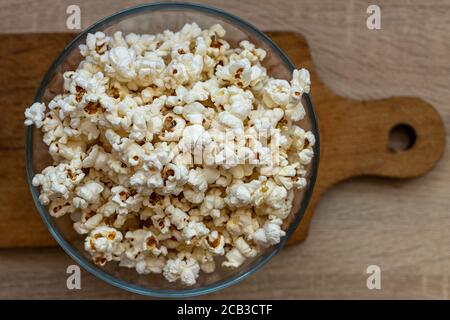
(402, 137)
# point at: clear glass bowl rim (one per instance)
(82, 261)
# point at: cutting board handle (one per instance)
(367, 133)
(362, 138)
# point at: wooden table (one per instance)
(402, 226)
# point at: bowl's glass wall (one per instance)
(154, 19)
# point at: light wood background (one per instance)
(402, 226)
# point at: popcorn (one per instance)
(269, 234)
(197, 93)
(59, 207)
(276, 93)
(148, 67)
(35, 115)
(57, 182)
(306, 156)
(160, 156)
(242, 223)
(142, 241)
(251, 51)
(263, 119)
(224, 179)
(193, 196)
(90, 220)
(171, 150)
(193, 136)
(181, 203)
(212, 203)
(121, 63)
(173, 127)
(241, 194)
(234, 259)
(211, 174)
(214, 242)
(244, 248)
(96, 44)
(103, 243)
(150, 265)
(124, 200)
(100, 160)
(90, 191)
(197, 180)
(301, 82)
(139, 125)
(194, 229)
(230, 120)
(184, 269)
(194, 112)
(303, 143)
(161, 222)
(205, 260)
(234, 71)
(177, 217)
(285, 174)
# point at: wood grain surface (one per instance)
(354, 134)
(402, 226)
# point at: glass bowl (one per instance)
(154, 18)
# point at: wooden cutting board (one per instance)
(355, 135)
